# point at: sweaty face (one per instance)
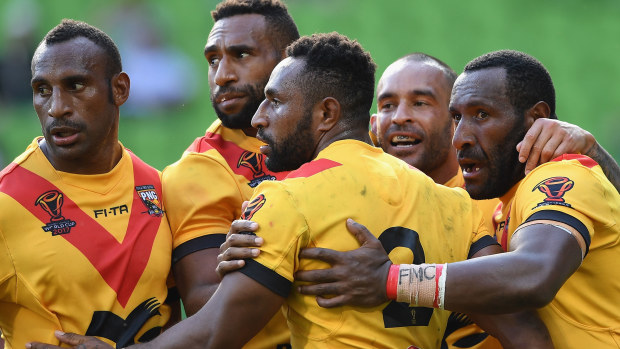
(240, 57)
(71, 95)
(284, 120)
(413, 122)
(487, 133)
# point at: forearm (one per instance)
(516, 330)
(195, 298)
(189, 333)
(497, 284)
(608, 164)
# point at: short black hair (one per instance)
(448, 72)
(339, 67)
(280, 23)
(528, 81)
(69, 29)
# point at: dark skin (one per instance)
(541, 258)
(236, 60)
(242, 306)
(517, 330)
(548, 139)
(72, 99)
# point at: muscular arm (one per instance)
(515, 330)
(549, 138)
(196, 278)
(541, 259)
(608, 164)
(237, 311)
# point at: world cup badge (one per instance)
(554, 189)
(51, 202)
(255, 163)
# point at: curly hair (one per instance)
(448, 72)
(528, 81)
(69, 29)
(282, 28)
(339, 67)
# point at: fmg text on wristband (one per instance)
(418, 284)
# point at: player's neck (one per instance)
(446, 171)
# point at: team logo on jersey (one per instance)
(253, 207)
(51, 202)
(150, 199)
(554, 188)
(254, 162)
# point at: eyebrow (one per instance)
(70, 78)
(270, 91)
(411, 92)
(231, 48)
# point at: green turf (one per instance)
(576, 40)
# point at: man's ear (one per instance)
(120, 88)
(539, 110)
(329, 113)
(373, 128)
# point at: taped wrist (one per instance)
(418, 284)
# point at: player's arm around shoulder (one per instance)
(522, 329)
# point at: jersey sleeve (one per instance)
(201, 199)
(7, 270)
(481, 235)
(285, 233)
(568, 192)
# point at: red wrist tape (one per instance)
(392, 281)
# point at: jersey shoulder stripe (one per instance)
(311, 168)
(584, 160)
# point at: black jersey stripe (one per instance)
(197, 244)
(267, 277)
(559, 216)
(483, 242)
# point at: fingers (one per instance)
(241, 240)
(240, 226)
(332, 302)
(37, 345)
(226, 267)
(316, 276)
(71, 339)
(325, 289)
(323, 254)
(525, 146)
(361, 233)
(244, 205)
(536, 150)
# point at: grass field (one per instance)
(576, 40)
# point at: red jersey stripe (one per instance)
(313, 167)
(584, 160)
(120, 265)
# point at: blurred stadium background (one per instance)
(578, 41)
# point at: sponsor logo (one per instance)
(150, 199)
(554, 188)
(254, 162)
(51, 202)
(112, 211)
